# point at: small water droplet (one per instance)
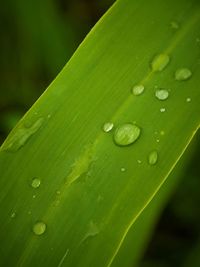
(39, 228)
(162, 109)
(139, 161)
(36, 182)
(138, 89)
(188, 99)
(126, 134)
(183, 74)
(153, 157)
(93, 230)
(157, 140)
(13, 215)
(34, 196)
(162, 94)
(162, 132)
(174, 25)
(20, 136)
(123, 169)
(160, 62)
(49, 116)
(108, 126)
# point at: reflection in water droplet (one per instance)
(183, 74)
(138, 89)
(162, 94)
(160, 62)
(153, 157)
(107, 127)
(36, 182)
(39, 228)
(126, 134)
(162, 110)
(20, 136)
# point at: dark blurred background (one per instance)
(37, 39)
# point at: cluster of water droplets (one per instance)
(128, 133)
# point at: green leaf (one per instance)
(92, 191)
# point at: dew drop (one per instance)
(153, 157)
(162, 94)
(20, 136)
(188, 99)
(139, 161)
(13, 215)
(108, 126)
(36, 182)
(123, 169)
(174, 25)
(162, 132)
(126, 134)
(162, 110)
(160, 62)
(183, 74)
(39, 228)
(138, 89)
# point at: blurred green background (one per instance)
(37, 39)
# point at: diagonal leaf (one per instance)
(92, 191)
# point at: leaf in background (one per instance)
(89, 191)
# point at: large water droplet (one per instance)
(160, 62)
(36, 182)
(138, 89)
(20, 136)
(39, 228)
(126, 134)
(162, 94)
(107, 127)
(153, 157)
(183, 74)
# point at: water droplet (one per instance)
(39, 228)
(13, 215)
(34, 196)
(153, 157)
(162, 94)
(183, 74)
(160, 62)
(107, 127)
(123, 169)
(138, 89)
(188, 99)
(20, 136)
(162, 132)
(36, 182)
(139, 161)
(174, 25)
(162, 110)
(157, 140)
(126, 134)
(93, 230)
